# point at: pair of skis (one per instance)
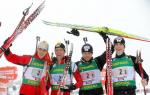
(23, 24)
(109, 31)
(66, 71)
(109, 84)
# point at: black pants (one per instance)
(98, 91)
(125, 92)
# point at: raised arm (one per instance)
(16, 59)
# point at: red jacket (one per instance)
(27, 89)
(77, 77)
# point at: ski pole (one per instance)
(67, 43)
(52, 55)
(85, 40)
(37, 41)
(139, 61)
(70, 69)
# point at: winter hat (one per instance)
(60, 45)
(119, 40)
(43, 45)
(87, 48)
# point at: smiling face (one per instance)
(87, 56)
(42, 49)
(41, 52)
(59, 52)
(119, 48)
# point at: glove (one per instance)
(68, 58)
(54, 59)
(47, 87)
(68, 88)
(144, 82)
(74, 32)
(7, 51)
(64, 88)
(72, 87)
(103, 35)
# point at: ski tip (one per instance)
(26, 11)
(139, 39)
(44, 21)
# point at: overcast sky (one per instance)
(131, 16)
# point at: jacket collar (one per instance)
(84, 61)
(120, 56)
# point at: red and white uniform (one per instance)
(27, 89)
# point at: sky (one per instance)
(130, 16)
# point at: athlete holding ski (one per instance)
(123, 70)
(90, 69)
(57, 72)
(34, 69)
(23, 24)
